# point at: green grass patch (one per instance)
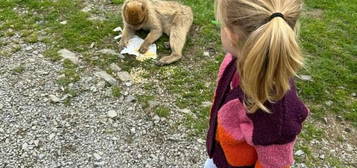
(329, 41)
(118, 1)
(52, 54)
(19, 69)
(145, 100)
(116, 91)
(310, 132)
(162, 111)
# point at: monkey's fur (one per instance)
(157, 16)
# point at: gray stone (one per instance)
(206, 54)
(339, 118)
(97, 18)
(130, 99)
(25, 146)
(301, 165)
(132, 130)
(66, 54)
(54, 98)
(115, 67)
(322, 156)
(349, 148)
(99, 164)
(299, 153)
(153, 103)
(156, 118)
(124, 76)
(101, 84)
(28, 48)
(306, 77)
(206, 104)
(186, 111)
(112, 114)
(128, 84)
(108, 78)
(63, 22)
(51, 136)
(87, 9)
(41, 156)
(108, 52)
(97, 156)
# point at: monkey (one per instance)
(158, 17)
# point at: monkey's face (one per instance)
(135, 13)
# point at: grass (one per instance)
(329, 40)
(116, 91)
(19, 69)
(162, 111)
(328, 37)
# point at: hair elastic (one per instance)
(276, 15)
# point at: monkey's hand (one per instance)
(122, 44)
(144, 48)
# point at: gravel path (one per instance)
(95, 130)
(38, 128)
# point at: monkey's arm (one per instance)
(154, 34)
(128, 33)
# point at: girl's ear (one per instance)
(232, 37)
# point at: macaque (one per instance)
(158, 17)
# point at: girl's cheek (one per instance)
(224, 40)
(227, 44)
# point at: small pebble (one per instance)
(41, 156)
(349, 148)
(124, 76)
(97, 156)
(299, 153)
(130, 99)
(104, 75)
(206, 54)
(112, 114)
(115, 67)
(339, 118)
(306, 77)
(63, 22)
(132, 130)
(329, 103)
(322, 156)
(51, 136)
(98, 164)
(54, 98)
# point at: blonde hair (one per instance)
(269, 52)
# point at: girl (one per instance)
(256, 114)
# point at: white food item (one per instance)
(118, 29)
(133, 47)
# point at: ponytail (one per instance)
(270, 57)
(269, 52)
